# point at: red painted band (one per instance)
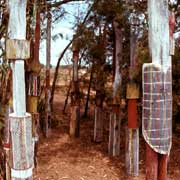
(132, 113)
(6, 145)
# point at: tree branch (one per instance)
(57, 4)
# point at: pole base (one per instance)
(21, 147)
(75, 122)
(98, 125)
(132, 152)
(114, 134)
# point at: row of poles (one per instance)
(22, 135)
(157, 99)
(132, 131)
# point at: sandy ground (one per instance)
(63, 158)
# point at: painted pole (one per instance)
(115, 120)
(98, 124)
(33, 69)
(132, 95)
(114, 131)
(48, 87)
(75, 101)
(99, 77)
(6, 142)
(6, 134)
(157, 93)
(18, 49)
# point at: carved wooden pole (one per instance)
(6, 142)
(6, 139)
(157, 93)
(18, 49)
(132, 131)
(98, 110)
(100, 81)
(172, 22)
(75, 101)
(98, 124)
(34, 68)
(48, 88)
(115, 121)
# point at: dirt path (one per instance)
(63, 158)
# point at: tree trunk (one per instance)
(7, 102)
(47, 92)
(132, 95)
(115, 120)
(88, 94)
(67, 97)
(18, 49)
(132, 151)
(114, 131)
(157, 92)
(56, 75)
(33, 77)
(6, 142)
(75, 101)
(98, 125)
(59, 60)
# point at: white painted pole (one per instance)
(17, 50)
(17, 30)
(157, 93)
(159, 33)
(19, 101)
(118, 51)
